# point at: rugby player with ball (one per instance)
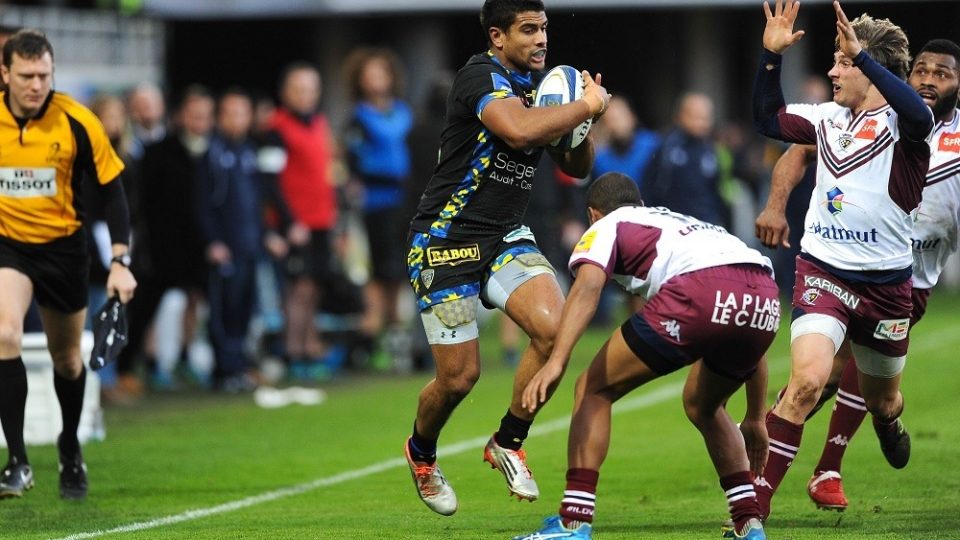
(467, 242)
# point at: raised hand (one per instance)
(778, 35)
(847, 38)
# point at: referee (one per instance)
(51, 148)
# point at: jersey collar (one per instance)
(523, 79)
(23, 121)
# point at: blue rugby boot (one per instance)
(553, 528)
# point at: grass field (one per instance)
(215, 467)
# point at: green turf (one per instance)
(195, 452)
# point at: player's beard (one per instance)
(944, 106)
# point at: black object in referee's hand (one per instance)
(109, 333)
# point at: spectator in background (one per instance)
(379, 158)
(684, 175)
(301, 134)
(229, 197)
(147, 116)
(627, 147)
(113, 115)
(168, 255)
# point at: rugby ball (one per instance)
(562, 85)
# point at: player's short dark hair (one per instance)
(235, 90)
(942, 46)
(884, 41)
(27, 43)
(501, 13)
(611, 191)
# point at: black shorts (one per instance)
(385, 232)
(58, 270)
(442, 270)
(314, 260)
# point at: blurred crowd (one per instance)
(269, 244)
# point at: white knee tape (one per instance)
(876, 364)
(816, 323)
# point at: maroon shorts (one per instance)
(919, 297)
(726, 315)
(876, 316)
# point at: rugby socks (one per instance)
(422, 449)
(513, 431)
(848, 413)
(13, 404)
(70, 394)
(579, 497)
(784, 442)
(741, 498)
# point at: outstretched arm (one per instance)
(768, 101)
(578, 311)
(772, 228)
(913, 115)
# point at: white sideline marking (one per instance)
(630, 404)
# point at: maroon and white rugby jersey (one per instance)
(869, 184)
(935, 231)
(641, 248)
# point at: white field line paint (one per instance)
(639, 402)
(630, 404)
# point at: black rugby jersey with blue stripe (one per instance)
(480, 186)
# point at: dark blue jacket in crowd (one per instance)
(230, 195)
(684, 177)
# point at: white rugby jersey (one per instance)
(869, 183)
(641, 248)
(935, 231)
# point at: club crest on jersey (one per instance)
(835, 201)
(950, 142)
(427, 277)
(868, 131)
(453, 255)
(845, 140)
(810, 296)
(52, 154)
(892, 329)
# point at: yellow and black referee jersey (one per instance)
(43, 163)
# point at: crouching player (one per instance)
(711, 303)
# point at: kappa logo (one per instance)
(950, 142)
(427, 277)
(452, 256)
(762, 482)
(892, 329)
(868, 131)
(839, 440)
(672, 327)
(810, 296)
